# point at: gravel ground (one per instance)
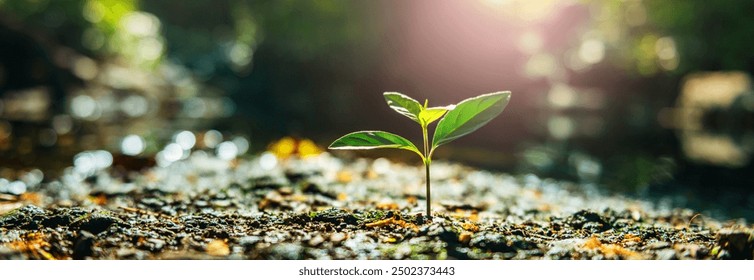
(326, 207)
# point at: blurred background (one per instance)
(649, 99)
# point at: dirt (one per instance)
(325, 207)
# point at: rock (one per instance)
(62, 217)
(666, 254)
(221, 203)
(26, 217)
(335, 216)
(286, 251)
(739, 244)
(82, 248)
(156, 244)
(316, 240)
(338, 237)
(588, 220)
(152, 202)
(658, 245)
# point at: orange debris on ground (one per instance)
(33, 243)
(100, 199)
(411, 200)
(387, 206)
(31, 197)
(395, 220)
(631, 238)
(344, 177)
(471, 215)
(217, 248)
(611, 250)
(342, 197)
(465, 237)
(470, 227)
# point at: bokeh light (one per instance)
(132, 145)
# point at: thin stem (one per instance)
(427, 162)
(429, 197)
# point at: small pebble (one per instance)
(337, 237)
(316, 240)
(666, 254)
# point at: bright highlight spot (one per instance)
(185, 139)
(562, 96)
(132, 145)
(84, 107)
(227, 150)
(89, 162)
(268, 161)
(172, 152)
(212, 138)
(242, 144)
(592, 51)
(560, 127)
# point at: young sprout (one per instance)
(455, 121)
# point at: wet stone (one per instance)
(26, 217)
(335, 216)
(62, 217)
(588, 220)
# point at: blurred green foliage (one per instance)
(708, 35)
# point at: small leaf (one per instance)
(365, 140)
(469, 115)
(429, 115)
(404, 105)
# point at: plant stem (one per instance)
(429, 197)
(427, 162)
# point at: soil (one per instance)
(326, 207)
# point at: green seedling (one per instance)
(455, 121)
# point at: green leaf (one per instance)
(404, 105)
(365, 140)
(429, 115)
(469, 115)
